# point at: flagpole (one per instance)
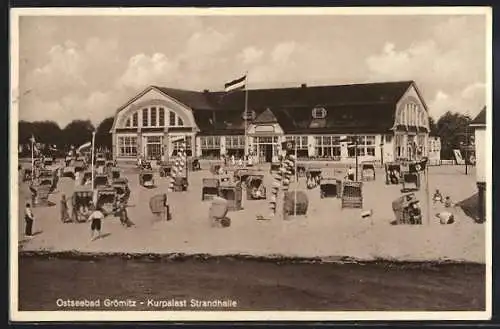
(296, 182)
(93, 139)
(245, 155)
(427, 194)
(32, 158)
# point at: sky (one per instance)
(86, 67)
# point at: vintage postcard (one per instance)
(252, 164)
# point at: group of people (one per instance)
(231, 160)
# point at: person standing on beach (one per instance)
(96, 222)
(64, 209)
(28, 218)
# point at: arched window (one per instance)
(179, 121)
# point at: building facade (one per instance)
(389, 121)
(481, 149)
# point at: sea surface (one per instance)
(46, 282)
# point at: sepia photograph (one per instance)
(248, 164)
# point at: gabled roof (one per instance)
(193, 99)
(350, 108)
(266, 117)
(480, 119)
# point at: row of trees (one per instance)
(454, 131)
(450, 127)
(76, 133)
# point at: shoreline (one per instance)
(278, 259)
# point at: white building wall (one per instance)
(311, 146)
(481, 155)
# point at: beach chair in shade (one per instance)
(195, 165)
(106, 199)
(69, 171)
(109, 164)
(47, 162)
(367, 171)
(209, 188)
(180, 184)
(301, 170)
(393, 173)
(80, 165)
(410, 181)
(159, 206)
(121, 188)
(86, 178)
(146, 178)
(352, 194)
(255, 188)
(101, 180)
(275, 166)
(26, 174)
(330, 188)
(232, 192)
(80, 204)
(215, 168)
(165, 169)
(406, 209)
(114, 174)
(241, 175)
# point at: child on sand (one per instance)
(437, 197)
(447, 202)
(96, 222)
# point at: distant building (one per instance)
(390, 120)
(434, 151)
(481, 142)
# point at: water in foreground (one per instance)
(254, 285)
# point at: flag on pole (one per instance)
(83, 146)
(236, 84)
(32, 139)
(418, 166)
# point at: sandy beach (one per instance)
(326, 231)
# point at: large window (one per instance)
(171, 118)
(235, 145)
(187, 147)
(152, 119)
(210, 146)
(127, 146)
(145, 118)
(135, 119)
(155, 117)
(327, 146)
(161, 117)
(366, 146)
(301, 142)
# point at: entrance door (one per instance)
(268, 152)
(153, 147)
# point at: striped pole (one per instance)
(277, 182)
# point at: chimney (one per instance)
(303, 85)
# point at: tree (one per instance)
(77, 132)
(103, 135)
(451, 128)
(432, 127)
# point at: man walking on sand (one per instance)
(96, 222)
(28, 218)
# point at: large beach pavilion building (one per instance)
(390, 121)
